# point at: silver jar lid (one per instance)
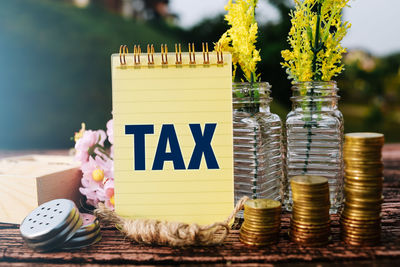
(90, 224)
(88, 233)
(51, 224)
(83, 241)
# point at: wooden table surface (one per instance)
(115, 249)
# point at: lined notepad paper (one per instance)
(179, 96)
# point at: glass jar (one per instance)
(314, 138)
(257, 143)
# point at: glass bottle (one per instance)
(314, 138)
(257, 143)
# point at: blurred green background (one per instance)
(55, 68)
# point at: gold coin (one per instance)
(306, 213)
(359, 190)
(261, 227)
(265, 243)
(356, 236)
(310, 243)
(378, 181)
(310, 194)
(262, 219)
(373, 174)
(361, 236)
(368, 152)
(310, 217)
(310, 206)
(362, 207)
(360, 232)
(375, 169)
(363, 152)
(368, 228)
(306, 188)
(358, 221)
(360, 217)
(262, 204)
(310, 227)
(349, 193)
(251, 213)
(308, 223)
(365, 136)
(359, 229)
(309, 220)
(262, 224)
(364, 212)
(369, 186)
(309, 180)
(361, 244)
(309, 232)
(312, 236)
(309, 238)
(310, 197)
(258, 237)
(364, 178)
(261, 234)
(357, 199)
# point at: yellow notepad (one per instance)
(173, 150)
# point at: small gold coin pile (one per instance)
(310, 222)
(361, 216)
(262, 222)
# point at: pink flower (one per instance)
(85, 146)
(109, 192)
(93, 195)
(96, 164)
(95, 171)
(109, 188)
(105, 164)
(110, 131)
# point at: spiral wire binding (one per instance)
(192, 54)
(220, 54)
(123, 51)
(136, 54)
(178, 54)
(206, 55)
(150, 54)
(164, 54)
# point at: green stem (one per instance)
(317, 44)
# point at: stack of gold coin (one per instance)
(310, 222)
(360, 218)
(262, 222)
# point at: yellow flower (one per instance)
(241, 37)
(314, 38)
(79, 135)
(98, 175)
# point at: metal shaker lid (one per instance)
(90, 224)
(83, 241)
(51, 224)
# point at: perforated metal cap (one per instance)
(90, 225)
(51, 224)
(83, 241)
(88, 233)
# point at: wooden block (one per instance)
(28, 181)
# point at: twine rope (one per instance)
(150, 231)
